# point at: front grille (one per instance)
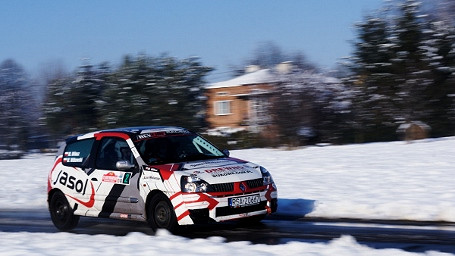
(226, 211)
(255, 183)
(229, 187)
(222, 187)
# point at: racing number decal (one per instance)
(126, 178)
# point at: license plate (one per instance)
(241, 201)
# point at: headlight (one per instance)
(193, 184)
(266, 177)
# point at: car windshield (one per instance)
(176, 148)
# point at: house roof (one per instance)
(258, 77)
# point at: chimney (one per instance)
(252, 68)
(284, 67)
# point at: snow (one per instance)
(164, 243)
(258, 77)
(394, 180)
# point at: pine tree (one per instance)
(71, 104)
(402, 65)
(440, 96)
(16, 106)
(373, 83)
(56, 115)
(410, 64)
(155, 91)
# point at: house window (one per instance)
(223, 107)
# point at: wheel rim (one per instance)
(61, 211)
(162, 214)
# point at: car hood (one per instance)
(222, 170)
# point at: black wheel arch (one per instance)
(154, 194)
(151, 195)
(51, 193)
(57, 200)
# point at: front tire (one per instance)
(161, 214)
(61, 213)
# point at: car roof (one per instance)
(140, 129)
(129, 130)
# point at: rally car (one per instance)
(166, 176)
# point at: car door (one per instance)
(117, 189)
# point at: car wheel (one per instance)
(161, 214)
(61, 213)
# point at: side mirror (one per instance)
(124, 165)
(226, 152)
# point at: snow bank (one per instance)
(395, 180)
(164, 244)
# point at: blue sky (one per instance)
(220, 33)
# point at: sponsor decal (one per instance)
(170, 130)
(71, 182)
(160, 133)
(144, 136)
(91, 200)
(148, 168)
(177, 131)
(110, 177)
(208, 164)
(151, 174)
(78, 185)
(151, 178)
(228, 170)
(121, 178)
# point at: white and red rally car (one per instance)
(166, 176)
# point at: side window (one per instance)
(112, 150)
(77, 153)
